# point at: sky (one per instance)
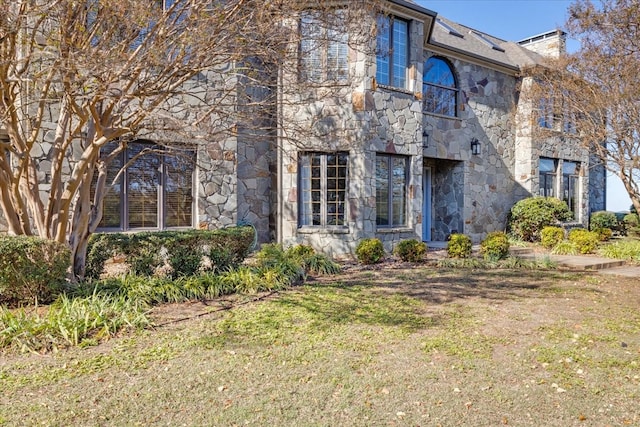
(515, 20)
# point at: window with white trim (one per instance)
(323, 189)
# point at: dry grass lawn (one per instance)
(391, 346)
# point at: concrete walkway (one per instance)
(579, 262)
(583, 262)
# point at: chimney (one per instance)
(552, 44)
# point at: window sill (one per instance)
(323, 230)
(396, 89)
(394, 230)
(441, 116)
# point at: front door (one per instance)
(426, 204)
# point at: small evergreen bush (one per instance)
(584, 240)
(495, 246)
(603, 219)
(459, 246)
(411, 250)
(370, 251)
(551, 236)
(529, 216)
(32, 270)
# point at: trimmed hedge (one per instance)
(32, 270)
(529, 216)
(603, 219)
(183, 251)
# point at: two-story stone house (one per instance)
(432, 136)
(427, 131)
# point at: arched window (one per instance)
(439, 87)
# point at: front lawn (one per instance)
(386, 346)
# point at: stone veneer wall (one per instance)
(473, 194)
(532, 143)
(362, 119)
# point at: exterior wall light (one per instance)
(475, 146)
(425, 139)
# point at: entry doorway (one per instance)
(427, 204)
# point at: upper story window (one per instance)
(439, 87)
(392, 47)
(546, 114)
(323, 47)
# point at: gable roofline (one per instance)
(473, 58)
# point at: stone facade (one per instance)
(469, 193)
(255, 176)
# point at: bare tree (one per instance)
(81, 79)
(596, 91)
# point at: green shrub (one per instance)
(603, 219)
(604, 234)
(565, 247)
(529, 216)
(32, 269)
(411, 250)
(631, 219)
(495, 246)
(184, 251)
(624, 249)
(584, 240)
(551, 236)
(370, 251)
(632, 224)
(459, 246)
